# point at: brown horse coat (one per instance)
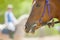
(37, 10)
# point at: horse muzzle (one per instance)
(27, 28)
(30, 28)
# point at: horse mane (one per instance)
(22, 17)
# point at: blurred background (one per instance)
(21, 7)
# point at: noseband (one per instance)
(46, 4)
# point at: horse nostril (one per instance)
(26, 29)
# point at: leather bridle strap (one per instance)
(47, 4)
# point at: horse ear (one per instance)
(33, 1)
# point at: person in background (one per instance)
(10, 20)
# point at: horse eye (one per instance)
(37, 5)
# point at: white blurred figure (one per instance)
(20, 31)
(10, 21)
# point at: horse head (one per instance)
(42, 12)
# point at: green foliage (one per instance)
(20, 7)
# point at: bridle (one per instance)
(46, 4)
(40, 20)
(33, 25)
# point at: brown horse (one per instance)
(42, 12)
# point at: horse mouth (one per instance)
(30, 28)
(27, 28)
(27, 31)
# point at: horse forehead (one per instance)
(34, 1)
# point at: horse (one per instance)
(20, 27)
(41, 13)
(20, 30)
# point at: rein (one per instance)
(46, 4)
